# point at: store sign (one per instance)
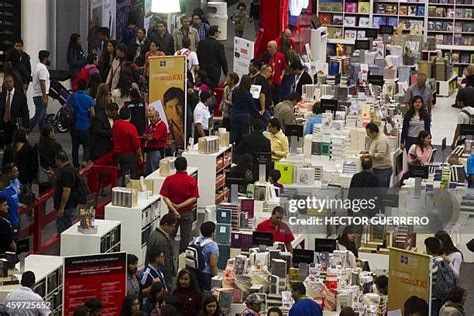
(409, 275)
(167, 94)
(243, 53)
(96, 276)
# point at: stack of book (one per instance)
(222, 238)
(208, 144)
(340, 145)
(441, 69)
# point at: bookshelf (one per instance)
(450, 21)
(136, 224)
(344, 19)
(10, 25)
(107, 239)
(211, 180)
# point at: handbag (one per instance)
(27, 196)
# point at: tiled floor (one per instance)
(444, 120)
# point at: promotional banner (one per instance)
(167, 94)
(95, 21)
(123, 8)
(409, 275)
(109, 10)
(243, 53)
(96, 276)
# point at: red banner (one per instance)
(97, 276)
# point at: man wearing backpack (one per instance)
(64, 202)
(202, 255)
(466, 116)
(442, 275)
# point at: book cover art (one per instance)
(350, 34)
(431, 25)
(431, 11)
(364, 7)
(468, 27)
(349, 21)
(420, 11)
(325, 18)
(380, 8)
(468, 13)
(450, 13)
(412, 10)
(403, 9)
(363, 21)
(379, 20)
(449, 26)
(351, 7)
(459, 13)
(440, 12)
(337, 19)
(393, 21)
(458, 27)
(360, 34)
(391, 8)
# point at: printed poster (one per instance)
(243, 53)
(95, 276)
(123, 8)
(409, 275)
(109, 10)
(167, 95)
(95, 21)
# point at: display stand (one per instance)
(211, 178)
(107, 239)
(48, 271)
(137, 224)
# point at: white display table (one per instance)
(48, 271)
(137, 224)
(107, 239)
(211, 179)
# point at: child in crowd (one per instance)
(238, 18)
(275, 175)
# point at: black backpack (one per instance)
(82, 189)
(471, 116)
(66, 113)
(194, 257)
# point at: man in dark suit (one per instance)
(254, 143)
(364, 185)
(211, 56)
(138, 48)
(101, 136)
(301, 77)
(13, 109)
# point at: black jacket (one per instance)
(101, 136)
(18, 109)
(48, 150)
(253, 143)
(76, 59)
(305, 79)
(211, 56)
(132, 49)
(26, 160)
(363, 186)
(165, 43)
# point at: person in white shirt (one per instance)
(193, 62)
(201, 115)
(466, 116)
(450, 253)
(24, 301)
(41, 84)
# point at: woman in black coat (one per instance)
(23, 155)
(76, 57)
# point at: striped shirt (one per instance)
(149, 274)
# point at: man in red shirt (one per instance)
(281, 232)
(285, 41)
(279, 65)
(180, 193)
(155, 141)
(126, 144)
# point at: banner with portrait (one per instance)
(167, 86)
(410, 275)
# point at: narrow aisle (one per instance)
(444, 120)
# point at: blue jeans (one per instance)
(240, 126)
(383, 175)
(80, 137)
(40, 113)
(65, 222)
(152, 161)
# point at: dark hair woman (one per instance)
(210, 306)
(105, 60)
(346, 240)
(21, 153)
(450, 253)
(130, 306)
(187, 293)
(420, 152)
(76, 57)
(417, 119)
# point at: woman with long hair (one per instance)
(187, 292)
(154, 51)
(122, 93)
(346, 240)
(420, 152)
(137, 108)
(417, 119)
(232, 79)
(210, 306)
(106, 59)
(76, 57)
(21, 153)
(102, 98)
(202, 82)
(118, 64)
(243, 109)
(130, 306)
(47, 148)
(450, 253)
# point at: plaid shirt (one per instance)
(202, 30)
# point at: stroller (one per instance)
(58, 92)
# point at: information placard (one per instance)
(243, 53)
(96, 276)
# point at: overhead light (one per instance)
(165, 6)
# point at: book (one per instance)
(286, 171)
(468, 27)
(391, 8)
(440, 12)
(431, 11)
(350, 34)
(360, 34)
(363, 21)
(337, 19)
(393, 21)
(379, 20)
(325, 18)
(364, 7)
(420, 11)
(351, 7)
(403, 9)
(349, 21)
(459, 13)
(223, 234)
(450, 12)
(468, 13)
(458, 27)
(412, 10)
(380, 8)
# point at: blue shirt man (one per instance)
(303, 305)
(210, 252)
(83, 103)
(10, 194)
(315, 119)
